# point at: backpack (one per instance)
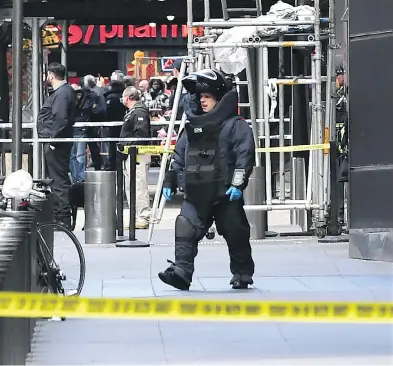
(85, 102)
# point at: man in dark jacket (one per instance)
(115, 111)
(56, 120)
(137, 125)
(98, 115)
(87, 101)
(213, 160)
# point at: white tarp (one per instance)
(233, 60)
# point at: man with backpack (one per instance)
(115, 112)
(98, 115)
(86, 103)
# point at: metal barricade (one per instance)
(298, 192)
(255, 194)
(100, 207)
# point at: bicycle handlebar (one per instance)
(38, 194)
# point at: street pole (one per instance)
(64, 45)
(36, 65)
(17, 89)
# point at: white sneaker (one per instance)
(139, 224)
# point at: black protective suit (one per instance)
(213, 149)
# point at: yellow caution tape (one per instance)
(294, 148)
(43, 305)
(148, 149)
(154, 150)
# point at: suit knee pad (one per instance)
(183, 228)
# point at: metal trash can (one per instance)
(100, 207)
(255, 194)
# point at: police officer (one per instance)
(137, 125)
(213, 159)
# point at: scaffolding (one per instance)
(234, 44)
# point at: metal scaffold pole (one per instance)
(17, 87)
(332, 197)
(64, 44)
(319, 122)
(190, 35)
(281, 122)
(266, 115)
(36, 39)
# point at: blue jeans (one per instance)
(78, 158)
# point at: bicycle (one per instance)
(50, 275)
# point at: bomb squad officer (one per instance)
(212, 162)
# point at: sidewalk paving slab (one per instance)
(294, 269)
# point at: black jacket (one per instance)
(99, 112)
(115, 109)
(86, 103)
(235, 149)
(136, 124)
(57, 115)
(184, 96)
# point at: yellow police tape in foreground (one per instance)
(32, 305)
(154, 150)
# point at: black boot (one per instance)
(172, 279)
(241, 282)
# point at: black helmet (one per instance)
(207, 81)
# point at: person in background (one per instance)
(155, 98)
(98, 114)
(55, 120)
(78, 150)
(184, 96)
(137, 125)
(156, 101)
(143, 86)
(129, 81)
(100, 82)
(176, 67)
(115, 111)
(342, 141)
(87, 102)
(212, 162)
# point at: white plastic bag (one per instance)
(233, 60)
(18, 185)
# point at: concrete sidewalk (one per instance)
(286, 269)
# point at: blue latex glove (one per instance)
(234, 194)
(167, 192)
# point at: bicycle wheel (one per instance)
(46, 273)
(66, 261)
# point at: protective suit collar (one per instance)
(224, 109)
